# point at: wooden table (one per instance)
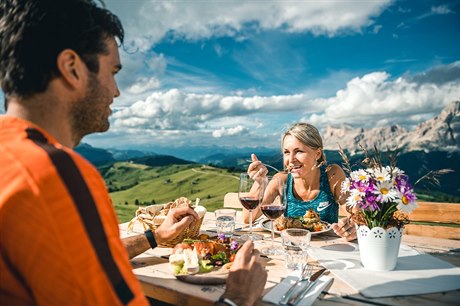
(157, 282)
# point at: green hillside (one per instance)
(133, 184)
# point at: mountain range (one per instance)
(441, 133)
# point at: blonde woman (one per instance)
(310, 182)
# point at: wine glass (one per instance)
(250, 193)
(273, 206)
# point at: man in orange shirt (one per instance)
(59, 241)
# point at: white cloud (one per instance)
(193, 20)
(441, 10)
(377, 28)
(233, 131)
(374, 100)
(178, 110)
(143, 85)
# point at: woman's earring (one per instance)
(318, 163)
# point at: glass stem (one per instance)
(250, 221)
(273, 235)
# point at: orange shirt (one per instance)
(59, 237)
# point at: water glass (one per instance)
(295, 244)
(225, 221)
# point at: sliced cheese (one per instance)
(191, 263)
(176, 259)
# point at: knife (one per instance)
(307, 269)
(301, 294)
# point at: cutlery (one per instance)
(311, 281)
(266, 165)
(304, 275)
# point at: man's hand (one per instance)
(176, 221)
(247, 276)
(345, 228)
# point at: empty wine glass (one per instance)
(250, 194)
(273, 206)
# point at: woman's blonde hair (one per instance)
(309, 136)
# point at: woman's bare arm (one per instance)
(345, 227)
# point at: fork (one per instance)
(304, 275)
(266, 165)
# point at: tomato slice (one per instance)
(204, 247)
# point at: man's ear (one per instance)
(71, 67)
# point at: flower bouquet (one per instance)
(379, 197)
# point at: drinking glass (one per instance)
(273, 206)
(295, 243)
(250, 194)
(225, 222)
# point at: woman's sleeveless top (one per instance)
(324, 203)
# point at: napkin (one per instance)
(415, 273)
(274, 295)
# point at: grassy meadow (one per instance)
(131, 185)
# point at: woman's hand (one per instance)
(256, 170)
(345, 228)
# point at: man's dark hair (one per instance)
(34, 32)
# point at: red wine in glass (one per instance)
(249, 203)
(272, 212)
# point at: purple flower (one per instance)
(401, 181)
(233, 245)
(221, 236)
(362, 186)
(370, 202)
(408, 193)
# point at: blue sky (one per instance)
(236, 73)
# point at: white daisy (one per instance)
(359, 175)
(385, 192)
(354, 197)
(382, 175)
(396, 171)
(345, 187)
(405, 205)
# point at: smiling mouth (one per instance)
(295, 167)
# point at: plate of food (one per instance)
(310, 221)
(205, 262)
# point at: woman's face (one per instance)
(298, 158)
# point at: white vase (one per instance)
(378, 247)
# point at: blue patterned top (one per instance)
(324, 203)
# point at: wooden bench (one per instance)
(433, 219)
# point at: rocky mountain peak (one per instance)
(441, 133)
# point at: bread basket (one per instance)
(152, 216)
